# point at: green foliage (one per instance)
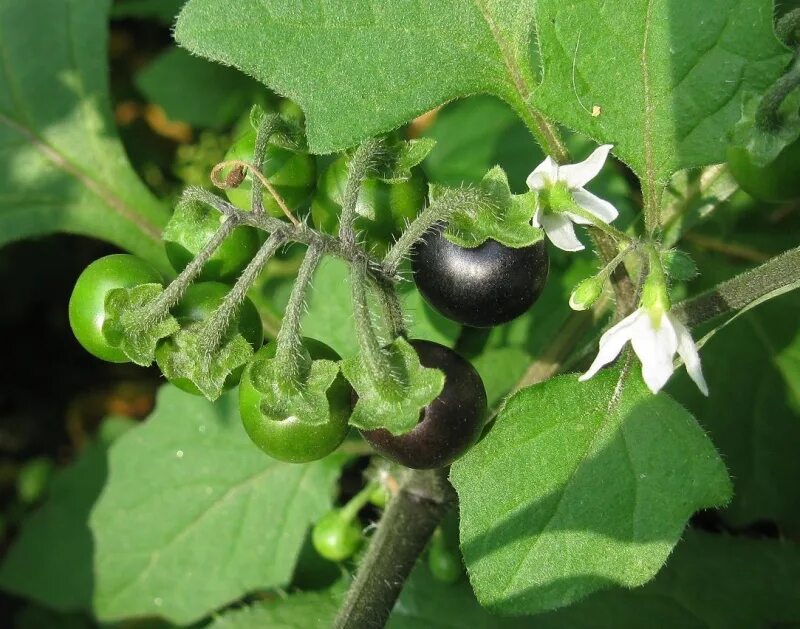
(397, 412)
(578, 487)
(505, 218)
(195, 91)
(753, 413)
(62, 167)
(51, 560)
(188, 491)
(667, 76)
(374, 85)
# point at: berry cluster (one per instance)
(418, 403)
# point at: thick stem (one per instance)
(390, 303)
(361, 163)
(289, 344)
(218, 323)
(768, 114)
(778, 275)
(173, 293)
(788, 26)
(405, 528)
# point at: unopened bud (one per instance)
(586, 293)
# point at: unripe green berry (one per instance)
(586, 293)
(335, 537)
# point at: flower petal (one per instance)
(578, 175)
(688, 352)
(544, 173)
(536, 221)
(612, 341)
(560, 231)
(593, 204)
(655, 347)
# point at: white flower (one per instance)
(655, 339)
(559, 225)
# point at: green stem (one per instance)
(768, 115)
(173, 293)
(370, 347)
(544, 132)
(787, 28)
(410, 519)
(465, 200)
(390, 303)
(775, 277)
(609, 230)
(269, 124)
(289, 354)
(217, 325)
(357, 502)
(652, 191)
(360, 165)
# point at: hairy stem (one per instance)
(368, 343)
(545, 133)
(173, 293)
(788, 26)
(466, 200)
(410, 519)
(768, 114)
(362, 162)
(778, 275)
(218, 323)
(269, 124)
(289, 344)
(652, 191)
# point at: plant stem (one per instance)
(777, 276)
(370, 347)
(615, 271)
(768, 115)
(545, 132)
(289, 344)
(173, 293)
(218, 323)
(652, 192)
(410, 519)
(391, 307)
(466, 200)
(269, 124)
(787, 28)
(360, 165)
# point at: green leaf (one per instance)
(354, 66)
(330, 311)
(664, 78)
(50, 562)
(62, 167)
(187, 356)
(304, 610)
(396, 413)
(121, 327)
(753, 413)
(194, 517)
(308, 404)
(579, 486)
(710, 581)
(506, 219)
(195, 91)
(401, 157)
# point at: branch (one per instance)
(775, 277)
(405, 528)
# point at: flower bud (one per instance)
(586, 293)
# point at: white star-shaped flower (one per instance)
(655, 339)
(559, 225)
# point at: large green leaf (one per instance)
(51, 560)
(62, 167)
(359, 68)
(662, 80)
(753, 413)
(195, 516)
(579, 486)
